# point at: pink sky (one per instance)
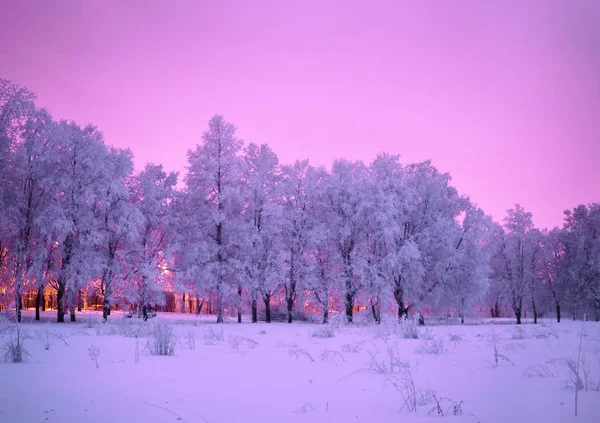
(504, 95)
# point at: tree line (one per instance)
(245, 229)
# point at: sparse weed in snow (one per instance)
(295, 351)
(542, 370)
(325, 331)
(239, 343)
(358, 346)
(331, 355)
(47, 336)
(455, 337)
(162, 339)
(432, 346)
(410, 329)
(518, 333)
(544, 333)
(14, 350)
(305, 408)
(498, 356)
(94, 353)
(212, 336)
(190, 338)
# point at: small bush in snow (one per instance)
(212, 336)
(543, 333)
(542, 370)
(239, 343)
(162, 338)
(14, 350)
(190, 338)
(518, 333)
(431, 346)
(94, 353)
(331, 355)
(455, 337)
(410, 330)
(358, 346)
(295, 351)
(496, 348)
(262, 332)
(325, 331)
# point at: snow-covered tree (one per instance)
(551, 267)
(470, 269)
(118, 226)
(214, 185)
(80, 183)
(16, 106)
(30, 187)
(151, 193)
(263, 215)
(581, 260)
(516, 245)
(297, 199)
(346, 193)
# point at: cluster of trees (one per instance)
(245, 229)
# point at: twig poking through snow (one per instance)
(295, 351)
(329, 354)
(305, 408)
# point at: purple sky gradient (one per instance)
(504, 95)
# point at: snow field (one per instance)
(299, 373)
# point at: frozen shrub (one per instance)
(94, 353)
(358, 346)
(325, 331)
(161, 338)
(14, 350)
(190, 337)
(518, 333)
(240, 343)
(212, 336)
(431, 346)
(410, 330)
(455, 337)
(295, 351)
(543, 333)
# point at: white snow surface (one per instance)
(217, 382)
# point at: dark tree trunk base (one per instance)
(254, 311)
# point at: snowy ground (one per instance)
(290, 375)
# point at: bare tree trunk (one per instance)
(535, 314)
(199, 305)
(220, 303)
(183, 302)
(72, 309)
(60, 302)
(421, 319)
(18, 306)
(38, 301)
(79, 300)
(239, 303)
(399, 296)
(267, 301)
(518, 315)
(349, 301)
(375, 310)
(290, 306)
(254, 310)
